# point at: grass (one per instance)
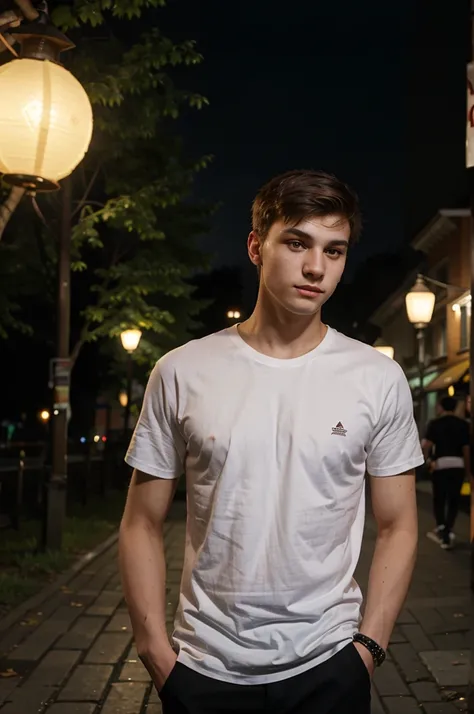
(25, 569)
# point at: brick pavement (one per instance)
(74, 654)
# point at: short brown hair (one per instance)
(296, 195)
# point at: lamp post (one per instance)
(381, 346)
(130, 340)
(420, 302)
(45, 130)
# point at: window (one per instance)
(437, 343)
(465, 326)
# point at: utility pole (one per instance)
(126, 419)
(60, 381)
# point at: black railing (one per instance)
(24, 471)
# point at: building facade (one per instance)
(444, 248)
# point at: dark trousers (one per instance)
(447, 496)
(339, 686)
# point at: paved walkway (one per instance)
(73, 652)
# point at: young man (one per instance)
(447, 444)
(273, 422)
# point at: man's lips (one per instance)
(310, 290)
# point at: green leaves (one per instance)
(132, 241)
(95, 12)
(64, 18)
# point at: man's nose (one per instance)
(314, 264)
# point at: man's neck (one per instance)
(282, 336)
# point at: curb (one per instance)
(35, 600)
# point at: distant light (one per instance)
(96, 438)
(44, 415)
(123, 398)
(451, 391)
(381, 346)
(456, 307)
(104, 439)
(386, 350)
(236, 314)
(56, 412)
(130, 339)
(83, 439)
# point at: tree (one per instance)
(133, 225)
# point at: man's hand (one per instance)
(160, 665)
(366, 658)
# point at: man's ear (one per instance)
(254, 246)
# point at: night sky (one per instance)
(373, 92)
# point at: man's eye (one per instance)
(334, 251)
(296, 244)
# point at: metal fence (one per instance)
(25, 468)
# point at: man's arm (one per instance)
(395, 511)
(143, 570)
(427, 447)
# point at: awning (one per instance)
(450, 376)
(414, 382)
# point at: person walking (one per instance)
(274, 422)
(446, 445)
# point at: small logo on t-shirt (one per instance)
(339, 430)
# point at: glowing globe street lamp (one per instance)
(45, 114)
(130, 340)
(420, 302)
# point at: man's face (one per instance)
(302, 265)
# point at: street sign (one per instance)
(59, 381)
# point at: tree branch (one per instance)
(8, 207)
(90, 203)
(77, 348)
(83, 200)
(27, 9)
(7, 44)
(8, 19)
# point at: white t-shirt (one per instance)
(275, 453)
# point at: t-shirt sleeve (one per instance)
(157, 447)
(395, 445)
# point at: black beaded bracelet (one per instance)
(377, 652)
